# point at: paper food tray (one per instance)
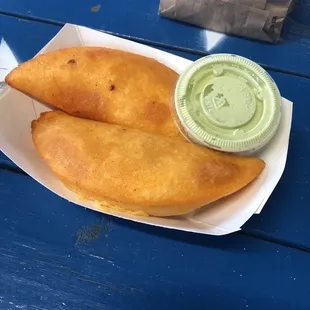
(220, 218)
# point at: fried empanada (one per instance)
(102, 84)
(135, 170)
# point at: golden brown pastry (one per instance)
(135, 170)
(102, 84)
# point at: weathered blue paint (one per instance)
(126, 265)
(126, 17)
(55, 255)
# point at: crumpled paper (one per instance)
(257, 19)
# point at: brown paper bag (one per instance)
(257, 19)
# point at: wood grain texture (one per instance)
(54, 255)
(131, 265)
(38, 217)
(126, 17)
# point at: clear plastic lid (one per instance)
(228, 103)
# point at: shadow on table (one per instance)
(235, 241)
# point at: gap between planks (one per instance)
(145, 41)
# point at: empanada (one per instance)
(102, 84)
(135, 170)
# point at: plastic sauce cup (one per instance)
(228, 103)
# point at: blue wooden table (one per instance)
(56, 255)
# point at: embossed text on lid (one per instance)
(227, 102)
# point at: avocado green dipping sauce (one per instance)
(228, 103)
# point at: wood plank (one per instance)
(23, 38)
(126, 18)
(27, 206)
(46, 264)
(285, 214)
